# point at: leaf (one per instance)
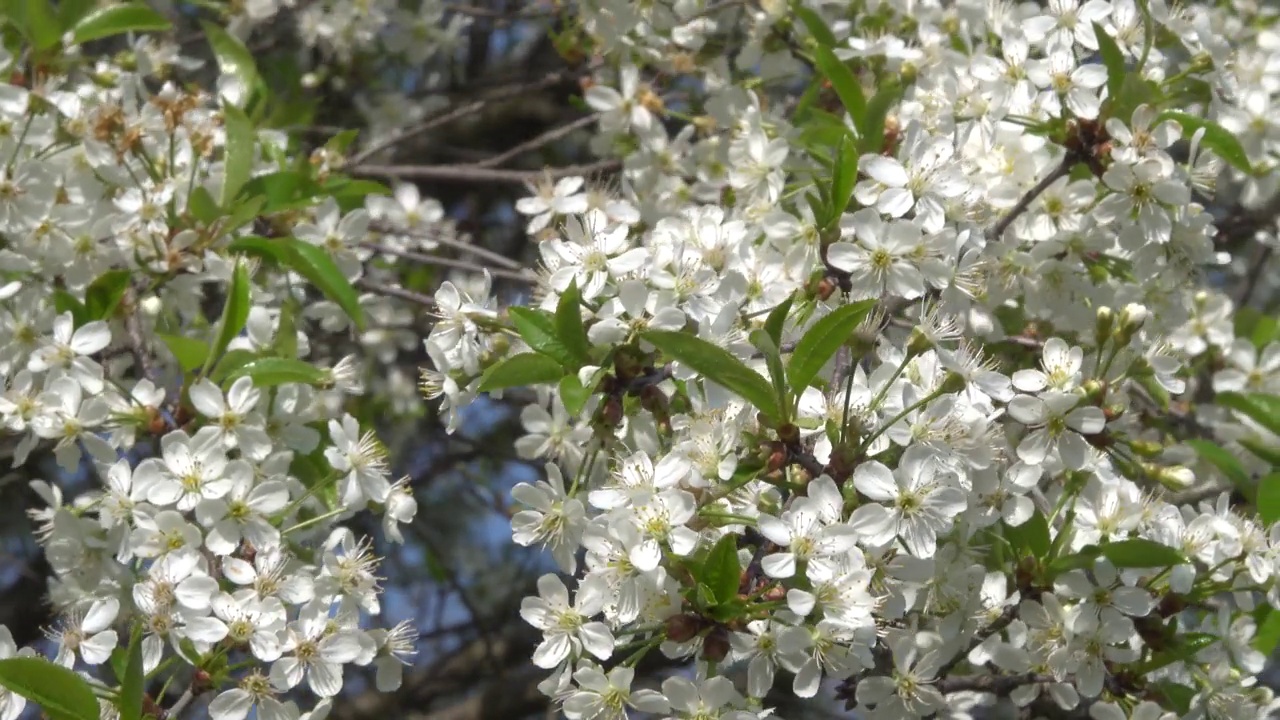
(775, 324)
(1141, 553)
(1225, 462)
(131, 685)
(538, 329)
(569, 327)
(202, 206)
(238, 156)
(103, 294)
(1268, 634)
(721, 571)
(286, 340)
(843, 82)
(1031, 537)
(816, 26)
(1270, 454)
(573, 395)
(189, 352)
(843, 179)
(871, 131)
(61, 693)
(233, 57)
(269, 372)
(235, 312)
(281, 190)
(118, 19)
(717, 365)
(822, 340)
(1136, 90)
(1082, 560)
(1113, 59)
(1261, 408)
(319, 269)
(1268, 500)
(1217, 138)
(761, 341)
(1176, 695)
(520, 371)
(36, 20)
(229, 362)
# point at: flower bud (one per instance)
(953, 383)
(716, 645)
(1132, 318)
(683, 628)
(1146, 448)
(1104, 324)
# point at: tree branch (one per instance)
(1062, 170)
(475, 174)
(545, 138)
(526, 276)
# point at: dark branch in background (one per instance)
(1062, 170)
(443, 238)
(545, 138)
(424, 259)
(475, 174)
(395, 292)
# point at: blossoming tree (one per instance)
(919, 353)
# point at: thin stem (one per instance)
(472, 173)
(463, 245)
(425, 259)
(1062, 170)
(545, 138)
(395, 292)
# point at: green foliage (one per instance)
(116, 20)
(1226, 463)
(61, 693)
(269, 371)
(1215, 138)
(539, 329)
(719, 366)
(520, 370)
(235, 312)
(820, 343)
(569, 327)
(1141, 553)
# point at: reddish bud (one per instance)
(716, 645)
(683, 628)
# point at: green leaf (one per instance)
(816, 26)
(776, 323)
(314, 264)
(843, 179)
(233, 57)
(1136, 90)
(1031, 537)
(1176, 695)
(235, 312)
(1216, 138)
(1225, 462)
(37, 22)
(1266, 452)
(103, 294)
(202, 206)
(118, 19)
(762, 341)
(286, 340)
(843, 82)
(61, 693)
(1113, 59)
(573, 394)
(230, 362)
(538, 329)
(871, 131)
(64, 301)
(1141, 553)
(131, 685)
(520, 371)
(1082, 560)
(1268, 500)
(282, 190)
(717, 365)
(1261, 408)
(189, 352)
(822, 341)
(70, 12)
(269, 372)
(1268, 634)
(238, 158)
(721, 571)
(569, 327)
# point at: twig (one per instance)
(444, 239)
(1254, 275)
(998, 684)
(473, 173)
(492, 14)
(395, 292)
(425, 259)
(470, 108)
(545, 138)
(187, 696)
(1062, 170)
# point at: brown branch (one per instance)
(395, 292)
(447, 241)
(137, 344)
(471, 108)
(526, 276)
(545, 138)
(1062, 170)
(995, 627)
(998, 684)
(475, 174)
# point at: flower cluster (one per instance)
(883, 400)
